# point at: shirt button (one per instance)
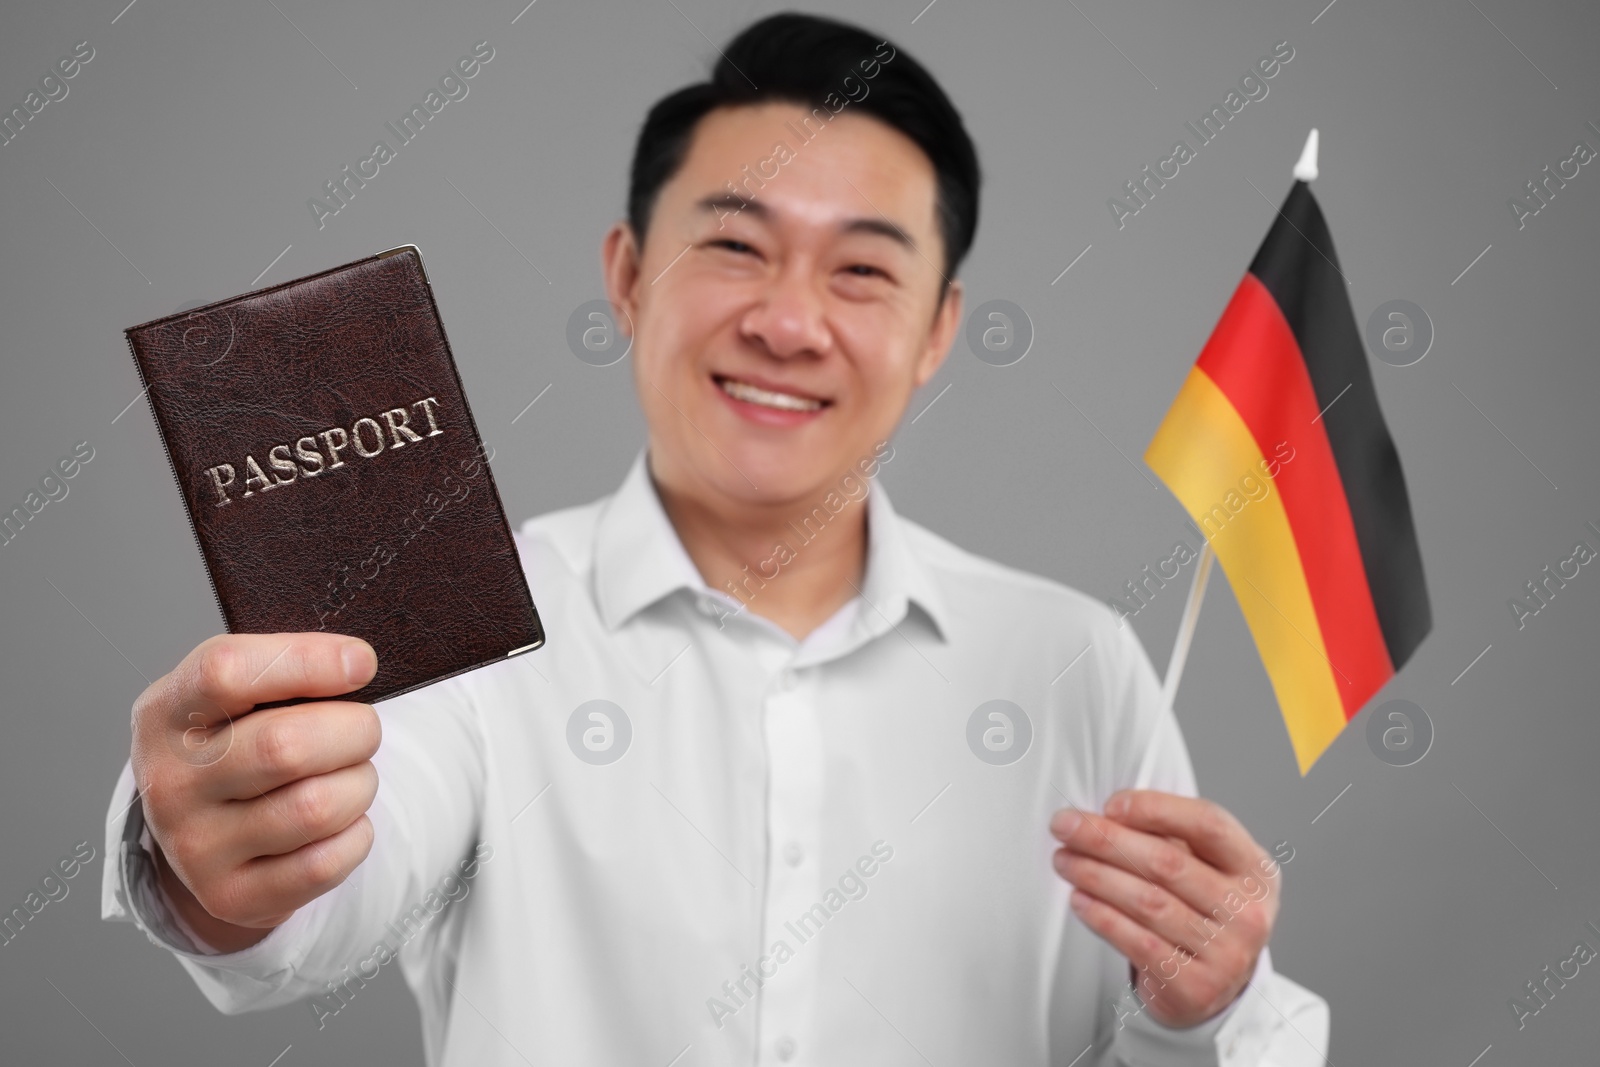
(788, 680)
(793, 853)
(786, 1048)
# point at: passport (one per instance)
(333, 474)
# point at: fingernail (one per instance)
(1066, 824)
(1117, 806)
(359, 662)
(1079, 900)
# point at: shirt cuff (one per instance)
(1279, 1023)
(1273, 1022)
(1143, 1041)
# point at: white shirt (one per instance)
(807, 820)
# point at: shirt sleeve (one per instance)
(425, 819)
(1274, 1022)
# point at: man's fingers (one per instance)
(256, 812)
(310, 810)
(227, 675)
(272, 887)
(1193, 988)
(1211, 830)
(1218, 904)
(1143, 948)
(272, 748)
(1150, 905)
(1149, 856)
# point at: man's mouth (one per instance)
(770, 398)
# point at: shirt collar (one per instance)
(639, 558)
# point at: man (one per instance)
(795, 780)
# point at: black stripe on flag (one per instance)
(1298, 266)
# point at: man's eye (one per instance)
(731, 245)
(864, 270)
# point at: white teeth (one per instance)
(749, 393)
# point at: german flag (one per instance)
(1326, 569)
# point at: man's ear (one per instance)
(946, 324)
(619, 263)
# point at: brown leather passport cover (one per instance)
(333, 473)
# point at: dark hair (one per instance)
(805, 59)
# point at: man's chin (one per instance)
(766, 473)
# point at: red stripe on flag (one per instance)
(1254, 359)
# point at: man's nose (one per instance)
(790, 318)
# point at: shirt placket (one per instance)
(795, 777)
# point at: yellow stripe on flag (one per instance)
(1202, 450)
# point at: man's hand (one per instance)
(1180, 888)
(256, 813)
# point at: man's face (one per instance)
(822, 289)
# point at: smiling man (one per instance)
(795, 780)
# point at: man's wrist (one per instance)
(1222, 1009)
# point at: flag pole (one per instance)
(1191, 615)
(1304, 170)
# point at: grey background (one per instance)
(182, 160)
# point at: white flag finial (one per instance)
(1306, 169)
